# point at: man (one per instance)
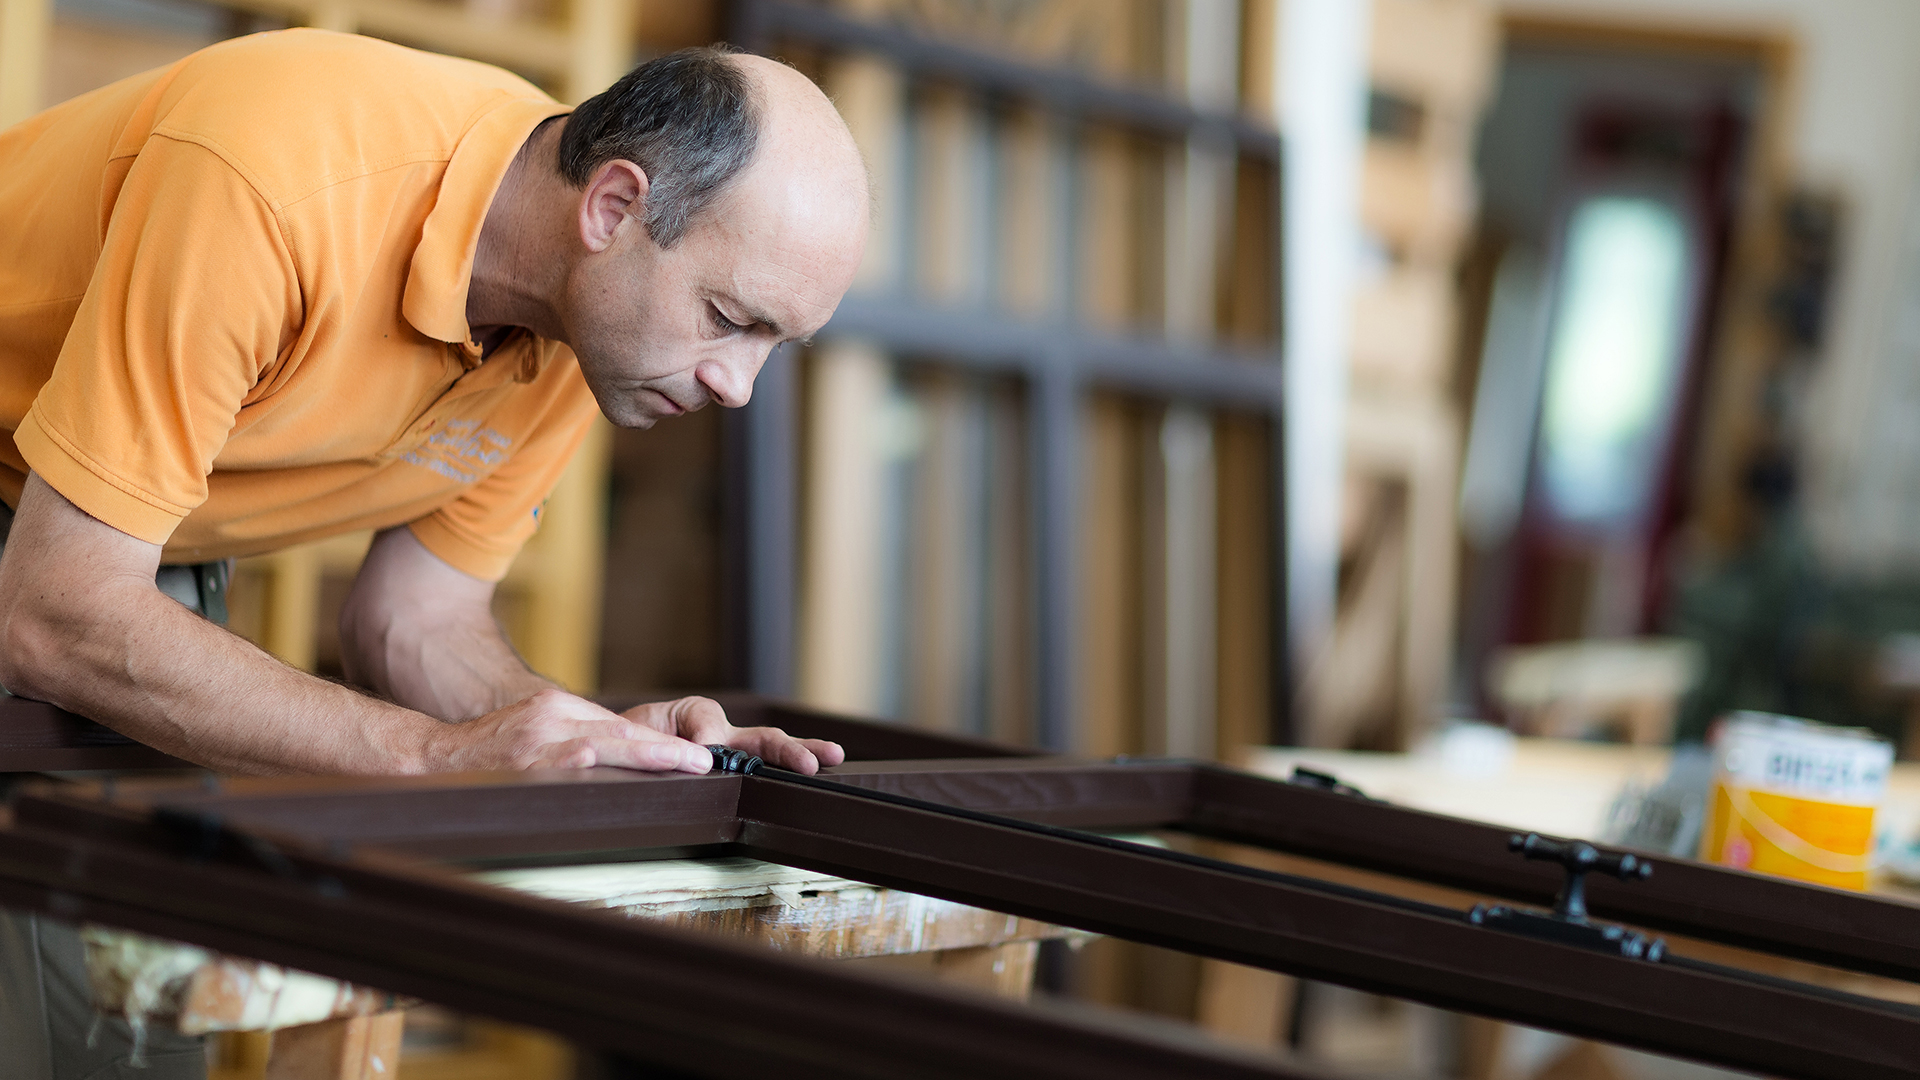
(305, 283)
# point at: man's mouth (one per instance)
(668, 406)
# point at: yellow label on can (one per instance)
(1795, 798)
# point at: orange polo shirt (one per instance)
(233, 304)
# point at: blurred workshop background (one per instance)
(1594, 324)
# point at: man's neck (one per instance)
(519, 262)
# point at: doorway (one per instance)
(1612, 175)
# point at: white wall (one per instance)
(1854, 128)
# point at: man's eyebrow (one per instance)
(768, 321)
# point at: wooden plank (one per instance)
(1419, 204)
(1249, 299)
(25, 29)
(1002, 970)
(1031, 278)
(1244, 457)
(1403, 329)
(1110, 234)
(1243, 1004)
(1355, 693)
(948, 178)
(1259, 58)
(561, 570)
(291, 629)
(355, 1048)
(1442, 52)
(838, 646)
(1203, 54)
(1110, 588)
(947, 579)
(599, 46)
(1154, 580)
(1009, 556)
(871, 99)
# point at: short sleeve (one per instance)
(191, 298)
(481, 531)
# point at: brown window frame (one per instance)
(341, 877)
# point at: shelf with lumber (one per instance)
(1063, 232)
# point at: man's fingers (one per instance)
(699, 719)
(650, 755)
(829, 754)
(777, 748)
(702, 720)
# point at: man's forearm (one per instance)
(137, 661)
(82, 626)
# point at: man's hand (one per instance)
(703, 721)
(556, 730)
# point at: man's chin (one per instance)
(624, 412)
(633, 419)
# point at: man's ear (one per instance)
(618, 191)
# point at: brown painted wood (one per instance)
(1308, 929)
(38, 737)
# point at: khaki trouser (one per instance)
(48, 1027)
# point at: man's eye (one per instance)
(722, 323)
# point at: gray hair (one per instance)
(688, 119)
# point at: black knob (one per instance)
(729, 760)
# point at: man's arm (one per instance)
(422, 633)
(83, 626)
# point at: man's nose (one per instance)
(729, 379)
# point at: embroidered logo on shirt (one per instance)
(463, 451)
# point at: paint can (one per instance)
(1795, 798)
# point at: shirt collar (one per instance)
(436, 296)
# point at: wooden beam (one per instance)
(562, 570)
(25, 26)
(599, 46)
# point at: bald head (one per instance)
(696, 120)
(708, 207)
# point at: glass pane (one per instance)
(1615, 349)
